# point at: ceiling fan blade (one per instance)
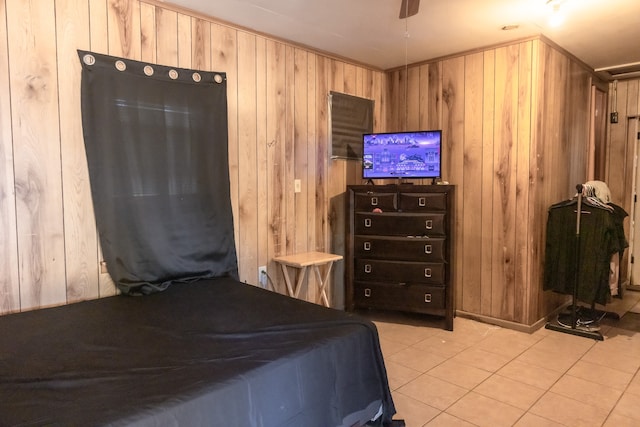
(409, 8)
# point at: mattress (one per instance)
(210, 353)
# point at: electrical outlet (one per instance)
(262, 276)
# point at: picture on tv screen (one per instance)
(402, 154)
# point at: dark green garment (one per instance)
(619, 214)
(598, 239)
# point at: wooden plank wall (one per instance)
(9, 288)
(512, 116)
(515, 121)
(624, 97)
(277, 100)
(559, 153)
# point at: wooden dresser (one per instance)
(399, 249)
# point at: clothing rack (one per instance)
(573, 328)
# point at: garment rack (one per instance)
(574, 330)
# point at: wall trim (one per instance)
(520, 327)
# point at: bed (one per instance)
(214, 352)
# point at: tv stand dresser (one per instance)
(399, 246)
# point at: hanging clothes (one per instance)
(599, 240)
(619, 214)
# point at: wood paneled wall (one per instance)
(278, 109)
(624, 97)
(515, 123)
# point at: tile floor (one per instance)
(485, 375)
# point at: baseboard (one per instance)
(512, 325)
(635, 288)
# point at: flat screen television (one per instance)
(407, 155)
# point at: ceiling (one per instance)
(605, 34)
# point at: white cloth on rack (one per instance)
(614, 273)
(590, 192)
(601, 189)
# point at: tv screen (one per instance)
(402, 154)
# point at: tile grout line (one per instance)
(636, 374)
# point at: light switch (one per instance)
(296, 186)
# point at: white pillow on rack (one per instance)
(601, 189)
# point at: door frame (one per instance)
(633, 268)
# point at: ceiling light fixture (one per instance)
(557, 14)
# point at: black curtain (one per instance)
(156, 145)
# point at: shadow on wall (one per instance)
(337, 221)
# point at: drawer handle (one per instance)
(367, 222)
(427, 249)
(367, 292)
(367, 246)
(429, 224)
(367, 268)
(422, 201)
(427, 272)
(374, 201)
(427, 297)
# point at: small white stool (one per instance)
(303, 260)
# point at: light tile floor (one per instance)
(485, 375)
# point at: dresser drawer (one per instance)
(400, 248)
(422, 202)
(400, 224)
(414, 298)
(399, 271)
(368, 201)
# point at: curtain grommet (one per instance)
(196, 77)
(148, 70)
(120, 65)
(173, 74)
(89, 59)
(217, 78)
